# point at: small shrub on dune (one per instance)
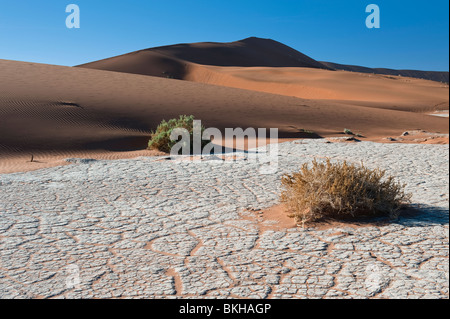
(341, 191)
(348, 132)
(160, 139)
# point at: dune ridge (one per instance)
(171, 61)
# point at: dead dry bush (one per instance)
(341, 191)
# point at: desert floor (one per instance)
(157, 227)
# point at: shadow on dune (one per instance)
(299, 134)
(144, 63)
(121, 144)
(172, 61)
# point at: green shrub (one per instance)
(348, 132)
(160, 139)
(341, 190)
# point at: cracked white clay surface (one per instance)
(152, 228)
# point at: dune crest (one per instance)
(172, 60)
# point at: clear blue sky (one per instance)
(413, 35)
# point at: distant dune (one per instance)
(171, 61)
(368, 90)
(426, 75)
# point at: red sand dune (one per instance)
(369, 90)
(172, 61)
(268, 66)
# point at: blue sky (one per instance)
(413, 35)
